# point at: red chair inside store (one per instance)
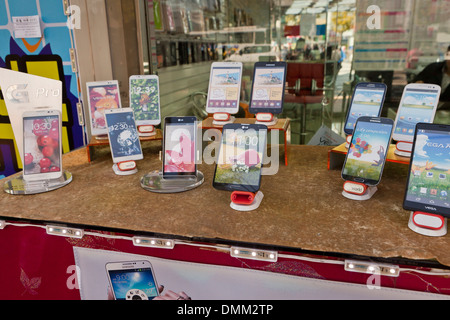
(305, 82)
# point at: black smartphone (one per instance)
(367, 100)
(179, 147)
(239, 164)
(428, 180)
(269, 81)
(368, 149)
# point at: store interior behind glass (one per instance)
(338, 43)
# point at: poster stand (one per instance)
(18, 186)
(155, 182)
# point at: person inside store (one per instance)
(438, 73)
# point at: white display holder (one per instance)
(146, 130)
(125, 168)
(348, 140)
(358, 191)
(266, 118)
(155, 182)
(246, 201)
(18, 186)
(222, 118)
(403, 149)
(427, 224)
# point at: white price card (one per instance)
(27, 27)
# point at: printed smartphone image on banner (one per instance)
(368, 150)
(429, 176)
(132, 282)
(144, 99)
(418, 104)
(42, 146)
(240, 157)
(224, 87)
(179, 146)
(268, 87)
(123, 135)
(367, 101)
(101, 96)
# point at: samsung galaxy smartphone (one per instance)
(269, 80)
(42, 145)
(224, 87)
(132, 280)
(179, 147)
(368, 149)
(428, 182)
(102, 95)
(123, 135)
(367, 100)
(418, 104)
(240, 159)
(145, 99)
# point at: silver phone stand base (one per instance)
(155, 182)
(17, 185)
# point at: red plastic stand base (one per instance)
(245, 201)
(428, 224)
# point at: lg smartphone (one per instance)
(367, 100)
(102, 95)
(428, 180)
(145, 99)
(179, 147)
(269, 80)
(42, 145)
(368, 149)
(418, 104)
(132, 280)
(123, 135)
(240, 159)
(224, 87)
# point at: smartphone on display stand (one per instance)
(123, 135)
(102, 95)
(224, 87)
(367, 151)
(418, 104)
(428, 183)
(269, 81)
(145, 99)
(240, 159)
(42, 145)
(179, 147)
(367, 100)
(132, 280)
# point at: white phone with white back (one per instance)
(123, 135)
(224, 87)
(145, 99)
(132, 280)
(42, 148)
(418, 104)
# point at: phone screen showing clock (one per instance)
(41, 144)
(123, 136)
(133, 284)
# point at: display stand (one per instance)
(348, 140)
(101, 137)
(155, 182)
(427, 224)
(403, 149)
(18, 186)
(266, 118)
(245, 201)
(222, 118)
(125, 168)
(358, 191)
(146, 130)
